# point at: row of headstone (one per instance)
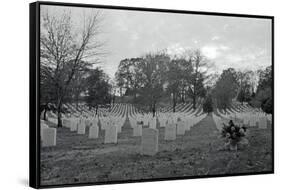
(250, 119)
(111, 125)
(149, 143)
(173, 124)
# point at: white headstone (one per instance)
(88, 122)
(94, 132)
(104, 123)
(133, 122)
(269, 117)
(81, 127)
(53, 120)
(49, 136)
(246, 120)
(180, 128)
(73, 125)
(137, 130)
(64, 121)
(253, 122)
(263, 122)
(187, 125)
(67, 123)
(94, 122)
(145, 121)
(118, 124)
(153, 123)
(149, 141)
(110, 134)
(170, 132)
(43, 126)
(162, 121)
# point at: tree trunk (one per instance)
(113, 100)
(154, 109)
(76, 102)
(97, 107)
(59, 113)
(194, 102)
(182, 96)
(174, 104)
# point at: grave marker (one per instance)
(137, 130)
(73, 125)
(163, 122)
(110, 134)
(145, 121)
(119, 125)
(170, 132)
(149, 141)
(67, 123)
(153, 123)
(187, 125)
(81, 127)
(94, 132)
(253, 122)
(246, 120)
(263, 122)
(43, 126)
(49, 136)
(180, 128)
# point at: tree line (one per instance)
(158, 77)
(154, 77)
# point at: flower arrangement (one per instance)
(233, 135)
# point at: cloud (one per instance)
(120, 23)
(213, 51)
(135, 36)
(233, 58)
(210, 51)
(195, 41)
(176, 49)
(225, 27)
(214, 38)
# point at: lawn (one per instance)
(78, 159)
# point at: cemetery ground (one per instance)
(78, 159)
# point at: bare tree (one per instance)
(196, 86)
(66, 51)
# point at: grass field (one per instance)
(77, 159)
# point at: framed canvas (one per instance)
(126, 94)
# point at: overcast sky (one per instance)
(242, 43)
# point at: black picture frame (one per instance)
(34, 92)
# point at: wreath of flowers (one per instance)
(233, 132)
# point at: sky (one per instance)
(241, 43)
